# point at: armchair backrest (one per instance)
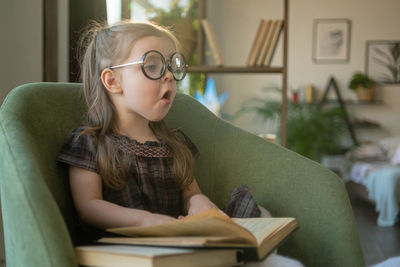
(36, 204)
(39, 218)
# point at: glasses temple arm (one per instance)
(126, 64)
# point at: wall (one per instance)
(63, 40)
(236, 30)
(21, 43)
(370, 20)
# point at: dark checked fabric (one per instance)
(241, 204)
(150, 184)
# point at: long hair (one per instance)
(103, 46)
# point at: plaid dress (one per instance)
(150, 184)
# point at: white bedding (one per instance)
(377, 167)
(383, 186)
(382, 181)
(360, 170)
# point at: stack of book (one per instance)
(265, 42)
(206, 239)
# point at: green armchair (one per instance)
(39, 219)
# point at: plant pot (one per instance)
(365, 94)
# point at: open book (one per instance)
(257, 237)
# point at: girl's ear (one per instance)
(110, 81)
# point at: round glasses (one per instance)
(153, 65)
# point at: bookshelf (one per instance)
(201, 68)
(234, 69)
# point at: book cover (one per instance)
(267, 43)
(274, 42)
(212, 40)
(256, 43)
(257, 236)
(263, 34)
(145, 256)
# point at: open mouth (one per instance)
(166, 95)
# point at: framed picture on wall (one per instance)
(382, 61)
(331, 40)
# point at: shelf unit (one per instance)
(201, 68)
(234, 69)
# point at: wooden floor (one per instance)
(378, 243)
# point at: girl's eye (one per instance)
(151, 67)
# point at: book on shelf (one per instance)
(256, 46)
(267, 42)
(274, 41)
(266, 24)
(147, 256)
(212, 41)
(256, 237)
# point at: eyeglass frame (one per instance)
(165, 66)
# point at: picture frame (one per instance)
(382, 61)
(331, 40)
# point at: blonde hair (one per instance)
(104, 46)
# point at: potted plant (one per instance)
(311, 131)
(363, 86)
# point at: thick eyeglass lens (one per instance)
(178, 66)
(154, 65)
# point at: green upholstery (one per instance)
(38, 214)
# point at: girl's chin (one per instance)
(158, 118)
(158, 115)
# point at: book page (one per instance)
(263, 228)
(136, 250)
(178, 241)
(209, 223)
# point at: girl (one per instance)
(126, 167)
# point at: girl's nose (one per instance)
(168, 75)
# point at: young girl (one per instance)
(126, 167)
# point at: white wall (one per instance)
(370, 20)
(63, 40)
(21, 43)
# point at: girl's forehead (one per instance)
(164, 45)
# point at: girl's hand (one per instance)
(199, 203)
(154, 218)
